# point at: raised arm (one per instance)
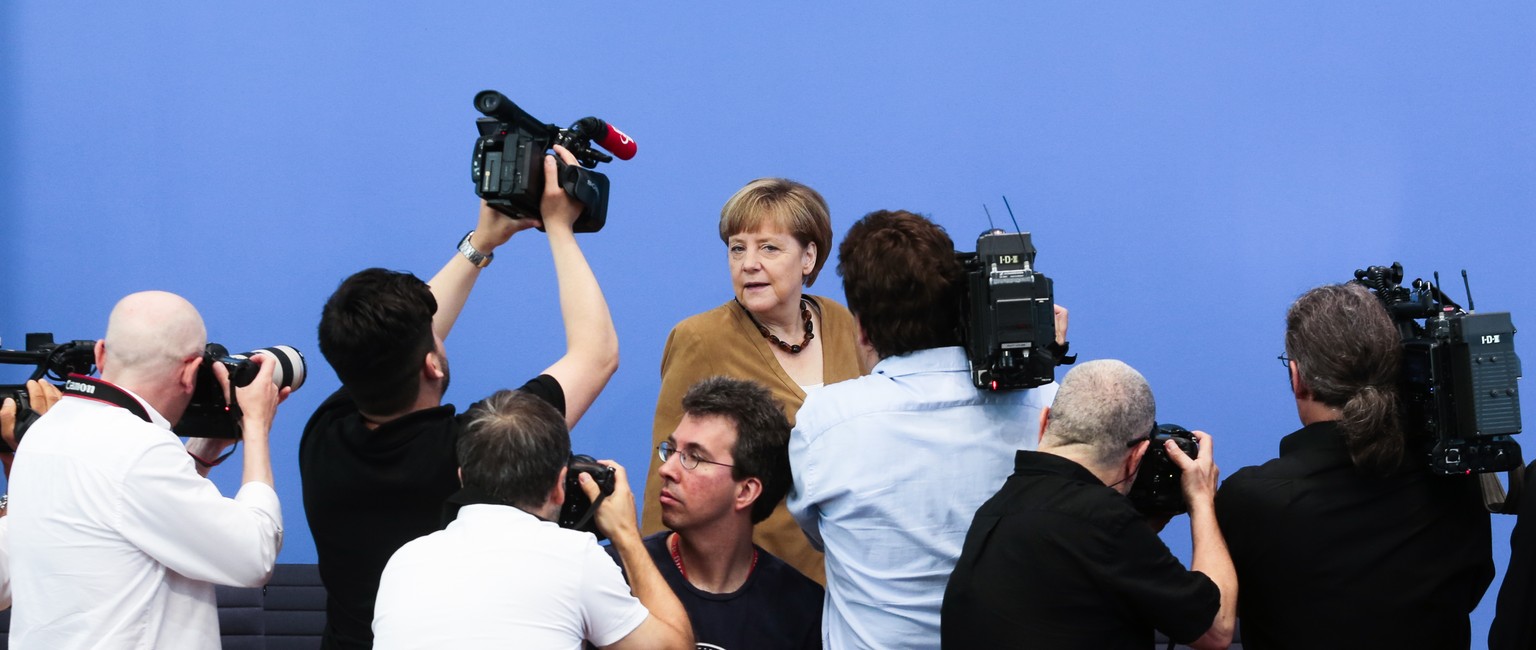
(668, 625)
(1210, 548)
(591, 344)
(452, 284)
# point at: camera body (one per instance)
(1458, 388)
(51, 361)
(577, 511)
(508, 161)
(1158, 490)
(209, 414)
(1009, 324)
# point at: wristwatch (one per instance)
(477, 258)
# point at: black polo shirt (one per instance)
(368, 492)
(1057, 560)
(1330, 557)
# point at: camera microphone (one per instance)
(609, 138)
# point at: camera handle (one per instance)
(1495, 499)
(578, 182)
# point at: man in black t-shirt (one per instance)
(377, 458)
(1059, 558)
(724, 469)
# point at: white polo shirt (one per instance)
(499, 577)
(115, 539)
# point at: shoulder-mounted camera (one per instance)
(1459, 373)
(1009, 324)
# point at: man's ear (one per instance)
(1133, 463)
(557, 495)
(101, 357)
(868, 357)
(431, 366)
(1045, 416)
(188, 378)
(461, 476)
(747, 493)
(1299, 388)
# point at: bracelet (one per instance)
(477, 258)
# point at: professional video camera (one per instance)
(1158, 490)
(1458, 387)
(508, 162)
(1009, 324)
(52, 361)
(210, 415)
(577, 511)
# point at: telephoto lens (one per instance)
(287, 367)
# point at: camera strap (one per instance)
(97, 390)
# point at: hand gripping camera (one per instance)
(508, 162)
(1010, 321)
(1159, 490)
(577, 511)
(210, 415)
(52, 361)
(1458, 386)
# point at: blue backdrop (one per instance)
(1186, 170)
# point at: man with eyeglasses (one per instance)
(724, 469)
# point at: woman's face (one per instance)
(768, 267)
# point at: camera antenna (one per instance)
(990, 225)
(1468, 284)
(1016, 227)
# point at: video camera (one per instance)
(508, 162)
(577, 511)
(210, 415)
(1009, 324)
(1158, 490)
(1458, 386)
(53, 362)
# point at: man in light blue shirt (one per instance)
(890, 468)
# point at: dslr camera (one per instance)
(1458, 387)
(1009, 323)
(508, 162)
(210, 414)
(1158, 490)
(577, 511)
(51, 362)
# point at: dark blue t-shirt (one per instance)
(776, 608)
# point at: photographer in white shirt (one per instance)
(117, 537)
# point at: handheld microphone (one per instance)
(609, 138)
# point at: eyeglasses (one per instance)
(689, 460)
(1285, 361)
(1140, 439)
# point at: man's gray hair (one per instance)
(1102, 404)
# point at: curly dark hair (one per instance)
(902, 281)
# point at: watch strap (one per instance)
(477, 258)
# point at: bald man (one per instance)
(117, 536)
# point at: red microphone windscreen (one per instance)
(617, 143)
